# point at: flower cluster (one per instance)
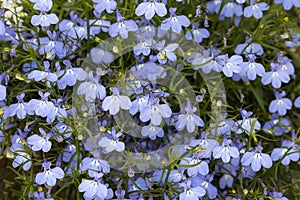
(87, 87)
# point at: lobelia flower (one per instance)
(255, 9)
(226, 151)
(231, 8)
(21, 158)
(108, 5)
(288, 4)
(115, 102)
(277, 126)
(166, 52)
(280, 104)
(91, 88)
(249, 48)
(37, 142)
(155, 111)
(247, 124)
(288, 152)
(93, 189)
(111, 142)
(252, 68)
(57, 111)
(189, 120)
(39, 196)
(205, 182)
(297, 102)
(214, 6)
(41, 107)
(257, 159)
(175, 22)
(197, 33)
(231, 64)
(199, 166)
(19, 109)
(191, 193)
(44, 19)
(2, 87)
(71, 75)
(286, 64)
(52, 46)
(150, 8)
(152, 131)
(122, 27)
(2, 28)
(42, 4)
(38, 75)
(49, 176)
(98, 25)
(95, 166)
(101, 55)
(276, 76)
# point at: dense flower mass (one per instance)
(149, 99)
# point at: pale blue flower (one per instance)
(226, 151)
(111, 142)
(255, 9)
(151, 7)
(280, 104)
(49, 176)
(38, 143)
(175, 22)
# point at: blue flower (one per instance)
(175, 22)
(37, 142)
(115, 102)
(42, 4)
(197, 33)
(93, 189)
(41, 107)
(52, 46)
(205, 182)
(2, 28)
(108, 5)
(155, 111)
(277, 126)
(101, 55)
(190, 120)
(190, 192)
(112, 143)
(288, 4)
(92, 89)
(21, 158)
(252, 68)
(199, 166)
(44, 19)
(96, 167)
(49, 176)
(297, 102)
(38, 75)
(226, 151)
(231, 8)
(247, 124)
(166, 52)
(231, 64)
(57, 111)
(276, 76)
(286, 64)
(255, 9)
(122, 27)
(2, 87)
(152, 131)
(214, 6)
(249, 48)
(18, 109)
(71, 75)
(257, 159)
(150, 8)
(288, 152)
(280, 104)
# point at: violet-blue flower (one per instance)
(111, 142)
(41, 107)
(116, 101)
(231, 65)
(175, 22)
(280, 104)
(122, 26)
(226, 151)
(252, 68)
(191, 192)
(40, 143)
(197, 33)
(49, 176)
(277, 76)
(231, 8)
(108, 5)
(151, 7)
(288, 4)
(257, 159)
(255, 9)
(18, 109)
(166, 52)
